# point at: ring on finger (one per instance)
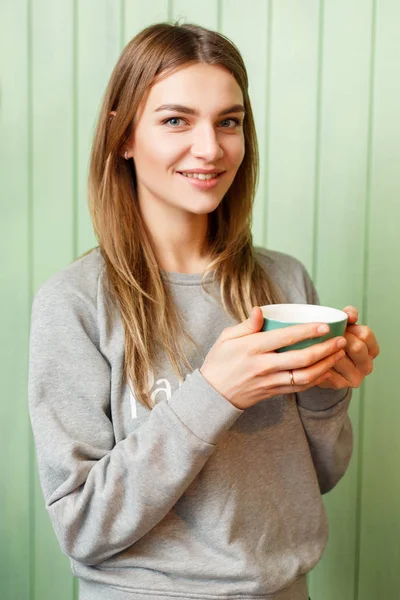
(291, 378)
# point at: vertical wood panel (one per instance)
(292, 125)
(53, 127)
(236, 25)
(343, 150)
(98, 48)
(339, 251)
(98, 37)
(14, 302)
(53, 219)
(141, 15)
(380, 522)
(203, 13)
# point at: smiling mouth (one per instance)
(202, 176)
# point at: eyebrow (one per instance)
(192, 111)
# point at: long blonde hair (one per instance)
(151, 321)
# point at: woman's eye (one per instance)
(236, 122)
(172, 119)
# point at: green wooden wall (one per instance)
(325, 87)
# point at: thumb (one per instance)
(352, 314)
(256, 319)
(247, 327)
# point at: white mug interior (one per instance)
(303, 313)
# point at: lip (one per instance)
(204, 171)
(202, 184)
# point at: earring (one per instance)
(126, 155)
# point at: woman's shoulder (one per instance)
(277, 262)
(289, 273)
(79, 279)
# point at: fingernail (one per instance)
(323, 329)
(341, 343)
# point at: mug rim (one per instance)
(335, 312)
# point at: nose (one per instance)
(206, 144)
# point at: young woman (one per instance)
(180, 456)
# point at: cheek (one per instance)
(152, 155)
(236, 151)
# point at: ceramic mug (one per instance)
(277, 316)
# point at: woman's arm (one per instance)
(102, 497)
(328, 431)
(324, 415)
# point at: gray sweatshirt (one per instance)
(195, 499)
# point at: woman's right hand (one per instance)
(243, 366)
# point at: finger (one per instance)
(352, 313)
(352, 374)
(324, 381)
(299, 359)
(248, 327)
(366, 335)
(268, 341)
(325, 377)
(346, 370)
(357, 352)
(301, 377)
(309, 375)
(336, 382)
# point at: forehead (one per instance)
(204, 87)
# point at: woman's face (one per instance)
(205, 133)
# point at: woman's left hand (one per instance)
(362, 348)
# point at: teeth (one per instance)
(202, 176)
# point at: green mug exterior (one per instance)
(336, 329)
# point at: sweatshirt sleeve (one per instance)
(103, 496)
(324, 415)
